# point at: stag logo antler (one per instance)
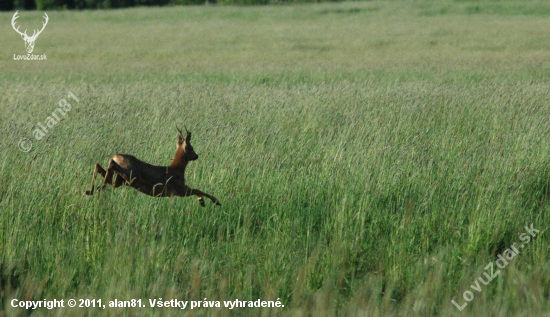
(29, 40)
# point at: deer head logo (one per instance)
(29, 40)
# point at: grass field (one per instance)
(371, 158)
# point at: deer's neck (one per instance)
(179, 162)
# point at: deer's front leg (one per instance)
(200, 194)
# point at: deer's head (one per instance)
(29, 40)
(185, 149)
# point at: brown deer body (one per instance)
(157, 181)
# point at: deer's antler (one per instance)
(43, 25)
(15, 16)
(35, 32)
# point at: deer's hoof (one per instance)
(201, 201)
(89, 192)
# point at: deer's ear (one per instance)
(180, 139)
(180, 136)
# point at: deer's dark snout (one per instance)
(191, 155)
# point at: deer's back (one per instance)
(144, 176)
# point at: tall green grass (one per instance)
(371, 158)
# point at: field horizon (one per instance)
(373, 158)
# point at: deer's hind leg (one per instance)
(97, 170)
(113, 171)
(107, 178)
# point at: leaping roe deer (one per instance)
(157, 181)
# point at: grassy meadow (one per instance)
(371, 158)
